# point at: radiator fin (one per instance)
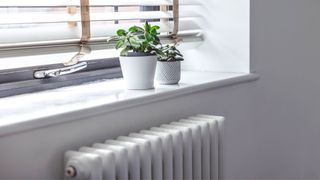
(196, 148)
(167, 151)
(188, 149)
(205, 151)
(156, 154)
(145, 155)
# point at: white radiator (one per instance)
(187, 149)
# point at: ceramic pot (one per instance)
(168, 72)
(138, 70)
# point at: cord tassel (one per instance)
(85, 35)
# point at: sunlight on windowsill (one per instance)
(31, 110)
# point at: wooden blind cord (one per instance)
(85, 35)
(164, 8)
(72, 10)
(174, 34)
(85, 25)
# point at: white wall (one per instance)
(226, 28)
(272, 127)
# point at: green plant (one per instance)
(170, 53)
(138, 39)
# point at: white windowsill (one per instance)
(28, 111)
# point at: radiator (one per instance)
(186, 149)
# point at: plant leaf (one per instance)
(124, 52)
(119, 44)
(134, 42)
(147, 27)
(133, 29)
(154, 29)
(140, 39)
(121, 32)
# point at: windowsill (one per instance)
(28, 111)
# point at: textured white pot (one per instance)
(168, 72)
(138, 70)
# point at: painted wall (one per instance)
(272, 127)
(285, 46)
(226, 29)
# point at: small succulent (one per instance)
(138, 39)
(170, 53)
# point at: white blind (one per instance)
(57, 25)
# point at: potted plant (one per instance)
(140, 47)
(168, 66)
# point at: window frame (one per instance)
(21, 80)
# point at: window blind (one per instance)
(31, 27)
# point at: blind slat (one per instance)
(141, 2)
(98, 29)
(93, 3)
(52, 47)
(185, 24)
(37, 3)
(130, 2)
(57, 31)
(38, 18)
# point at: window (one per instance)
(45, 34)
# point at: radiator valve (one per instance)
(70, 171)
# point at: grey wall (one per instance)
(272, 127)
(285, 51)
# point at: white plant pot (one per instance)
(168, 72)
(138, 70)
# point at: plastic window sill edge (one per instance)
(117, 105)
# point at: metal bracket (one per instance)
(43, 74)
